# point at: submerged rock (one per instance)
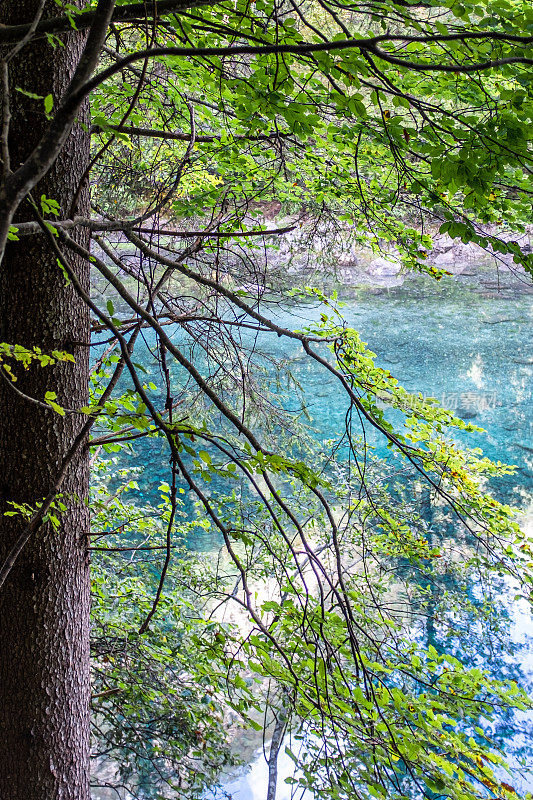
(466, 413)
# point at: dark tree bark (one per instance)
(44, 604)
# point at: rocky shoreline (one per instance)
(357, 266)
(335, 258)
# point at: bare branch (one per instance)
(6, 120)
(95, 225)
(31, 28)
(150, 133)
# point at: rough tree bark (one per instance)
(44, 605)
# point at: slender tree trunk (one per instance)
(280, 726)
(44, 605)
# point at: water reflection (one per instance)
(474, 354)
(448, 348)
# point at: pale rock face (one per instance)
(384, 267)
(385, 272)
(444, 260)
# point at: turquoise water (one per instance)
(474, 353)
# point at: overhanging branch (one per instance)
(10, 34)
(151, 133)
(95, 225)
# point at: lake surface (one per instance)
(474, 353)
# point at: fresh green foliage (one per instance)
(327, 563)
(377, 713)
(26, 357)
(348, 133)
(161, 700)
(364, 124)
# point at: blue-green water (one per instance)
(474, 353)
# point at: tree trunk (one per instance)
(44, 604)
